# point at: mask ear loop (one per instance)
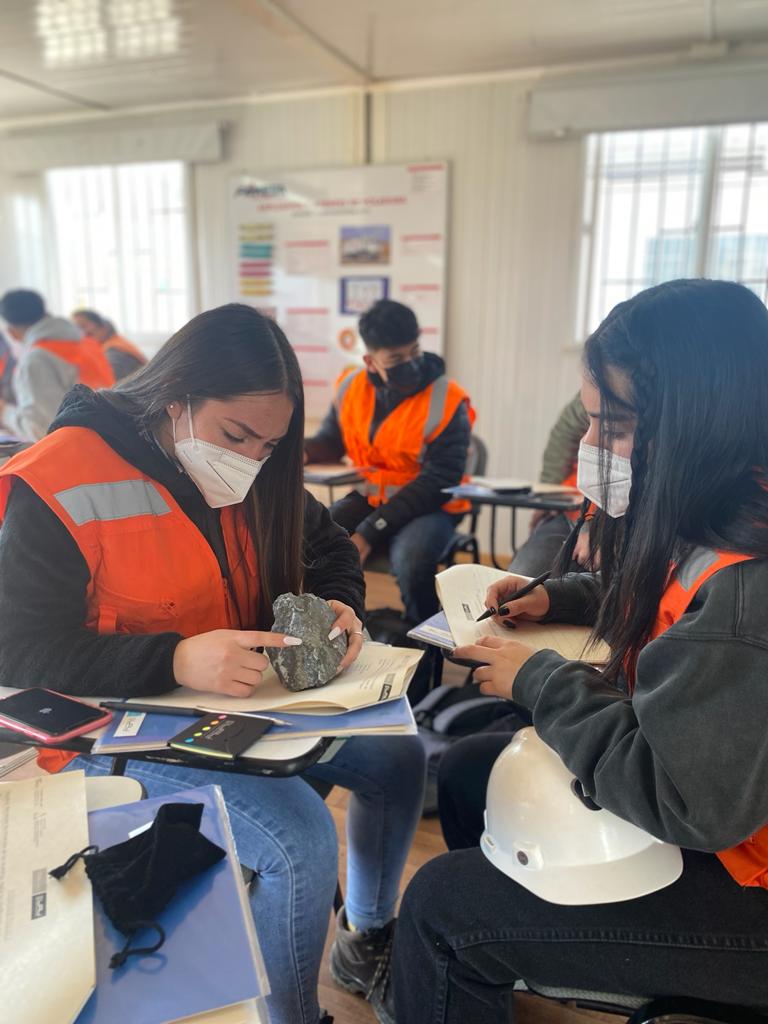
(189, 420)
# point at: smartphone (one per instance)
(50, 717)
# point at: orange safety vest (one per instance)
(86, 356)
(121, 344)
(747, 862)
(393, 458)
(151, 569)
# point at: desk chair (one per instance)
(663, 1010)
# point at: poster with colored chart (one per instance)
(315, 249)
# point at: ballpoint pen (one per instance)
(166, 709)
(522, 592)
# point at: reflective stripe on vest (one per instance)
(747, 862)
(393, 457)
(151, 570)
(118, 500)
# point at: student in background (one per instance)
(670, 736)
(550, 529)
(407, 426)
(143, 542)
(124, 357)
(53, 356)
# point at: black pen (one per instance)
(166, 709)
(522, 592)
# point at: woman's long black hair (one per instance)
(695, 356)
(225, 353)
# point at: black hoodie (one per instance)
(43, 576)
(443, 465)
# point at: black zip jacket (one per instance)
(43, 576)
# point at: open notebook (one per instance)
(380, 673)
(462, 590)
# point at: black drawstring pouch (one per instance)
(136, 879)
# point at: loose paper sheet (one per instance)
(462, 590)
(47, 960)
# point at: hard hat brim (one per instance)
(640, 874)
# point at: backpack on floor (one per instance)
(449, 713)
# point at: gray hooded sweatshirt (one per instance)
(41, 379)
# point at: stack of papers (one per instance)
(462, 590)
(366, 699)
(13, 756)
(137, 731)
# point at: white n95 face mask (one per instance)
(223, 477)
(618, 483)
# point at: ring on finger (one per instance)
(355, 632)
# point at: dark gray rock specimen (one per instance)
(317, 660)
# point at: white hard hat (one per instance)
(543, 832)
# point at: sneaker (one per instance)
(360, 963)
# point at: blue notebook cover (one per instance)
(210, 958)
(156, 730)
(435, 631)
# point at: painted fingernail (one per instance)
(503, 611)
(336, 631)
(292, 641)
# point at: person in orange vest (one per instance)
(549, 530)
(671, 734)
(124, 357)
(52, 357)
(143, 542)
(407, 426)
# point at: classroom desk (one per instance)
(514, 502)
(331, 476)
(324, 749)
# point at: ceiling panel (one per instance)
(124, 53)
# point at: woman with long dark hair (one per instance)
(671, 735)
(143, 543)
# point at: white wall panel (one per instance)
(312, 132)
(515, 216)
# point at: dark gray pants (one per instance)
(466, 932)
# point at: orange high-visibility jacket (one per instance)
(393, 458)
(121, 344)
(151, 569)
(86, 356)
(746, 862)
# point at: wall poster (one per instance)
(314, 249)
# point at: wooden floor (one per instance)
(428, 843)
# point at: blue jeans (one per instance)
(284, 831)
(414, 551)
